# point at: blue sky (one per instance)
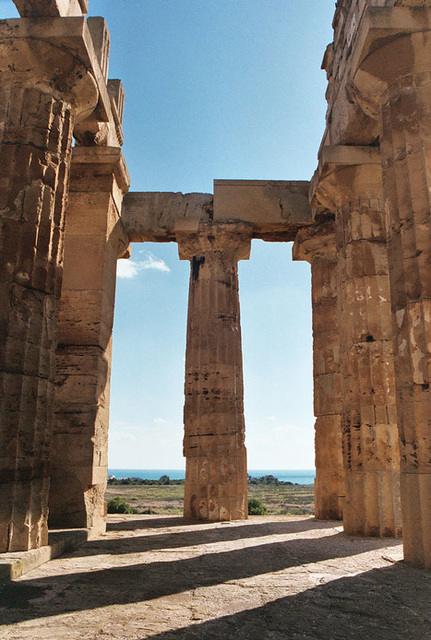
(215, 89)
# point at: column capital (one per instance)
(51, 8)
(110, 161)
(316, 241)
(56, 56)
(392, 57)
(345, 173)
(206, 238)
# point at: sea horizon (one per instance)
(296, 476)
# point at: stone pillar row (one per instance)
(368, 408)
(216, 468)
(401, 93)
(38, 108)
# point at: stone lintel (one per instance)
(276, 209)
(51, 8)
(157, 216)
(42, 45)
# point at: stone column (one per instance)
(402, 91)
(349, 183)
(94, 240)
(316, 245)
(43, 89)
(369, 422)
(216, 471)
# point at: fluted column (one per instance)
(216, 466)
(38, 107)
(93, 241)
(369, 421)
(402, 90)
(316, 245)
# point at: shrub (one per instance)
(256, 508)
(117, 505)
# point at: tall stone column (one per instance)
(316, 245)
(369, 420)
(216, 467)
(94, 240)
(42, 91)
(402, 91)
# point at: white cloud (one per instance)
(272, 418)
(160, 421)
(131, 268)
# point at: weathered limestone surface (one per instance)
(94, 240)
(39, 105)
(275, 210)
(216, 468)
(369, 423)
(266, 578)
(316, 244)
(402, 95)
(51, 8)
(379, 93)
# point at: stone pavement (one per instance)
(268, 578)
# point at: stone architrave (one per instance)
(401, 94)
(43, 90)
(316, 244)
(369, 419)
(94, 240)
(216, 468)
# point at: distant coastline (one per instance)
(296, 476)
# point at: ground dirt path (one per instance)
(269, 578)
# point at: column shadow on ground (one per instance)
(88, 590)
(383, 604)
(213, 535)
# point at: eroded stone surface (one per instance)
(316, 244)
(216, 466)
(280, 578)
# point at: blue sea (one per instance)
(297, 476)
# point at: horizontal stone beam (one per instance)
(274, 209)
(155, 216)
(51, 8)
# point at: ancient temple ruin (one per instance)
(363, 223)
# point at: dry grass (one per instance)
(168, 499)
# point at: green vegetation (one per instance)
(117, 505)
(161, 498)
(256, 508)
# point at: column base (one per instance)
(76, 504)
(216, 488)
(373, 505)
(416, 508)
(329, 489)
